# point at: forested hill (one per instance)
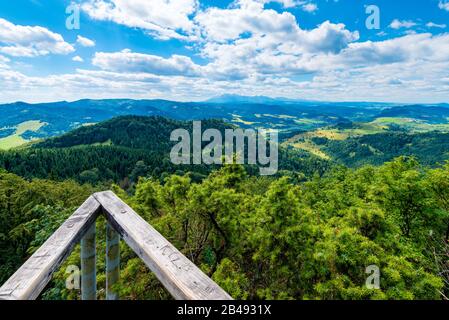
(298, 235)
(22, 123)
(430, 148)
(261, 238)
(118, 150)
(137, 132)
(123, 149)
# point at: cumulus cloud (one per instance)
(444, 5)
(85, 42)
(305, 5)
(127, 61)
(369, 83)
(4, 62)
(77, 59)
(163, 19)
(30, 41)
(415, 48)
(221, 25)
(310, 7)
(285, 3)
(251, 20)
(329, 37)
(247, 47)
(382, 52)
(265, 59)
(175, 19)
(285, 53)
(398, 24)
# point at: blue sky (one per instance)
(194, 50)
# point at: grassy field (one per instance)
(311, 147)
(238, 119)
(304, 141)
(16, 139)
(413, 125)
(341, 134)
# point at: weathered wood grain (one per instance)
(180, 276)
(89, 265)
(28, 282)
(112, 262)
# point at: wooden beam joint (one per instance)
(179, 275)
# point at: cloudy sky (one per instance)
(197, 49)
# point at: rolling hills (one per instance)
(108, 151)
(314, 223)
(376, 142)
(122, 149)
(261, 112)
(111, 136)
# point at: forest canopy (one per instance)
(264, 237)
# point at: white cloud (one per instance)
(407, 82)
(4, 62)
(329, 37)
(444, 5)
(4, 59)
(223, 25)
(398, 24)
(30, 41)
(409, 68)
(161, 18)
(310, 7)
(77, 59)
(435, 25)
(176, 18)
(415, 48)
(247, 48)
(127, 61)
(85, 42)
(305, 5)
(285, 3)
(278, 53)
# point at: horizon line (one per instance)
(207, 100)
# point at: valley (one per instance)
(281, 114)
(259, 150)
(344, 133)
(370, 143)
(355, 186)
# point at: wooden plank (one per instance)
(28, 282)
(89, 265)
(180, 276)
(112, 262)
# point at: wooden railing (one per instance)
(179, 275)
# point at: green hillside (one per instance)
(17, 136)
(376, 142)
(309, 232)
(285, 115)
(118, 150)
(122, 149)
(261, 238)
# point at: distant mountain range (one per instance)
(231, 98)
(279, 113)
